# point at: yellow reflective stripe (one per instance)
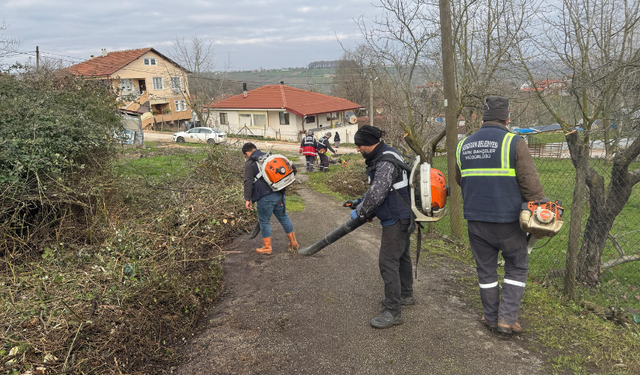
(506, 146)
(458, 152)
(505, 171)
(488, 172)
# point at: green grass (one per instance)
(295, 203)
(160, 166)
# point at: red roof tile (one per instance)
(297, 101)
(114, 61)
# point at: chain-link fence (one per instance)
(608, 247)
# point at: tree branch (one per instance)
(618, 261)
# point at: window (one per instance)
(176, 83)
(224, 119)
(157, 83)
(205, 131)
(150, 61)
(126, 86)
(181, 105)
(310, 119)
(284, 118)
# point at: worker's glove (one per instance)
(352, 203)
(300, 151)
(353, 214)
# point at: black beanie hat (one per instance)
(367, 135)
(496, 108)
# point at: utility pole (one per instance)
(371, 102)
(451, 114)
(37, 58)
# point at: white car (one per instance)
(201, 135)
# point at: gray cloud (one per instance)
(254, 33)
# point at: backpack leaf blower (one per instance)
(427, 204)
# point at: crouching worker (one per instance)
(267, 201)
(389, 187)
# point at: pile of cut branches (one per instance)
(119, 297)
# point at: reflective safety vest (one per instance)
(393, 206)
(489, 185)
(308, 146)
(322, 144)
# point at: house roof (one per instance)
(114, 61)
(297, 101)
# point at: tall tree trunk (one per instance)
(579, 155)
(605, 205)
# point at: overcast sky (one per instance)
(252, 34)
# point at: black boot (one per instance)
(386, 319)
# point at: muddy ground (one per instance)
(284, 314)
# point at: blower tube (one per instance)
(335, 235)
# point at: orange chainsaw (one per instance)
(541, 219)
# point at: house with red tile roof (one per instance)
(147, 81)
(547, 87)
(284, 112)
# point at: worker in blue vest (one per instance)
(497, 174)
(388, 200)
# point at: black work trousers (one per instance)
(324, 161)
(310, 160)
(486, 240)
(395, 265)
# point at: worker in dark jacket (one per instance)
(323, 145)
(388, 199)
(268, 201)
(308, 148)
(497, 174)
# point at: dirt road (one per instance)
(152, 136)
(284, 314)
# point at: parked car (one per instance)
(208, 135)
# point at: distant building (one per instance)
(147, 81)
(283, 112)
(547, 87)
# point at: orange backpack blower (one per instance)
(276, 170)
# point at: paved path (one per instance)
(284, 314)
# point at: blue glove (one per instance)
(353, 214)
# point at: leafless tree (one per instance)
(352, 77)
(595, 44)
(485, 33)
(204, 84)
(8, 44)
(398, 43)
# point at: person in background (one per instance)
(308, 149)
(323, 145)
(336, 140)
(388, 188)
(494, 187)
(267, 201)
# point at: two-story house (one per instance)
(146, 81)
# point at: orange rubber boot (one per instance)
(293, 243)
(266, 249)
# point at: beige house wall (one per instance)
(164, 98)
(297, 124)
